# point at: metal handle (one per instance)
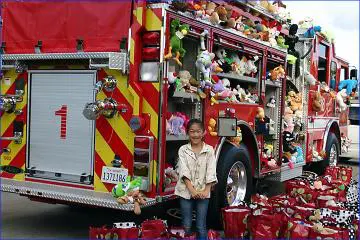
(17, 138)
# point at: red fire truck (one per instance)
(94, 92)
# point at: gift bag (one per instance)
(266, 226)
(235, 221)
(126, 230)
(298, 229)
(328, 233)
(152, 229)
(213, 235)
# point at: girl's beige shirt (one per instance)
(200, 170)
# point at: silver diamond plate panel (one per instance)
(75, 195)
(116, 60)
(286, 173)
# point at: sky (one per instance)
(340, 17)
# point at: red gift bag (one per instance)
(332, 171)
(266, 226)
(235, 221)
(113, 233)
(345, 175)
(329, 233)
(298, 230)
(213, 235)
(151, 229)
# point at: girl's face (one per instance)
(196, 134)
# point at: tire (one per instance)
(230, 157)
(332, 141)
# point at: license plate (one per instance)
(114, 175)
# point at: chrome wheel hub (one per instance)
(236, 184)
(333, 155)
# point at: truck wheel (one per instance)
(332, 155)
(235, 181)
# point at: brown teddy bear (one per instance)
(316, 104)
(212, 127)
(260, 114)
(136, 197)
(296, 102)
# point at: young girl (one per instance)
(197, 173)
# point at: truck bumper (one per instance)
(66, 194)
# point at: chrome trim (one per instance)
(117, 60)
(68, 194)
(327, 130)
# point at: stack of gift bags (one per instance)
(313, 207)
(149, 229)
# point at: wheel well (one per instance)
(249, 140)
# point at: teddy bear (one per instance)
(260, 114)
(277, 73)
(236, 140)
(296, 102)
(220, 17)
(212, 127)
(317, 104)
(340, 100)
(183, 81)
(177, 125)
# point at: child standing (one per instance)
(197, 174)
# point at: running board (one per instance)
(67, 194)
(286, 173)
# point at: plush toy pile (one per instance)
(312, 208)
(226, 16)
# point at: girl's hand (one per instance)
(195, 194)
(204, 194)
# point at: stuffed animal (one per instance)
(250, 65)
(310, 33)
(277, 73)
(223, 60)
(179, 5)
(204, 60)
(129, 192)
(324, 87)
(318, 102)
(222, 16)
(177, 32)
(350, 85)
(237, 140)
(310, 79)
(260, 114)
(291, 59)
(184, 77)
(212, 127)
(268, 150)
(289, 123)
(272, 102)
(300, 155)
(340, 100)
(296, 102)
(281, 42)
(210, 8)
(177, 125)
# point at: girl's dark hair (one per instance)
(195, 121)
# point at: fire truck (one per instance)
(93, 92)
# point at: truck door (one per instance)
(60, 139)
